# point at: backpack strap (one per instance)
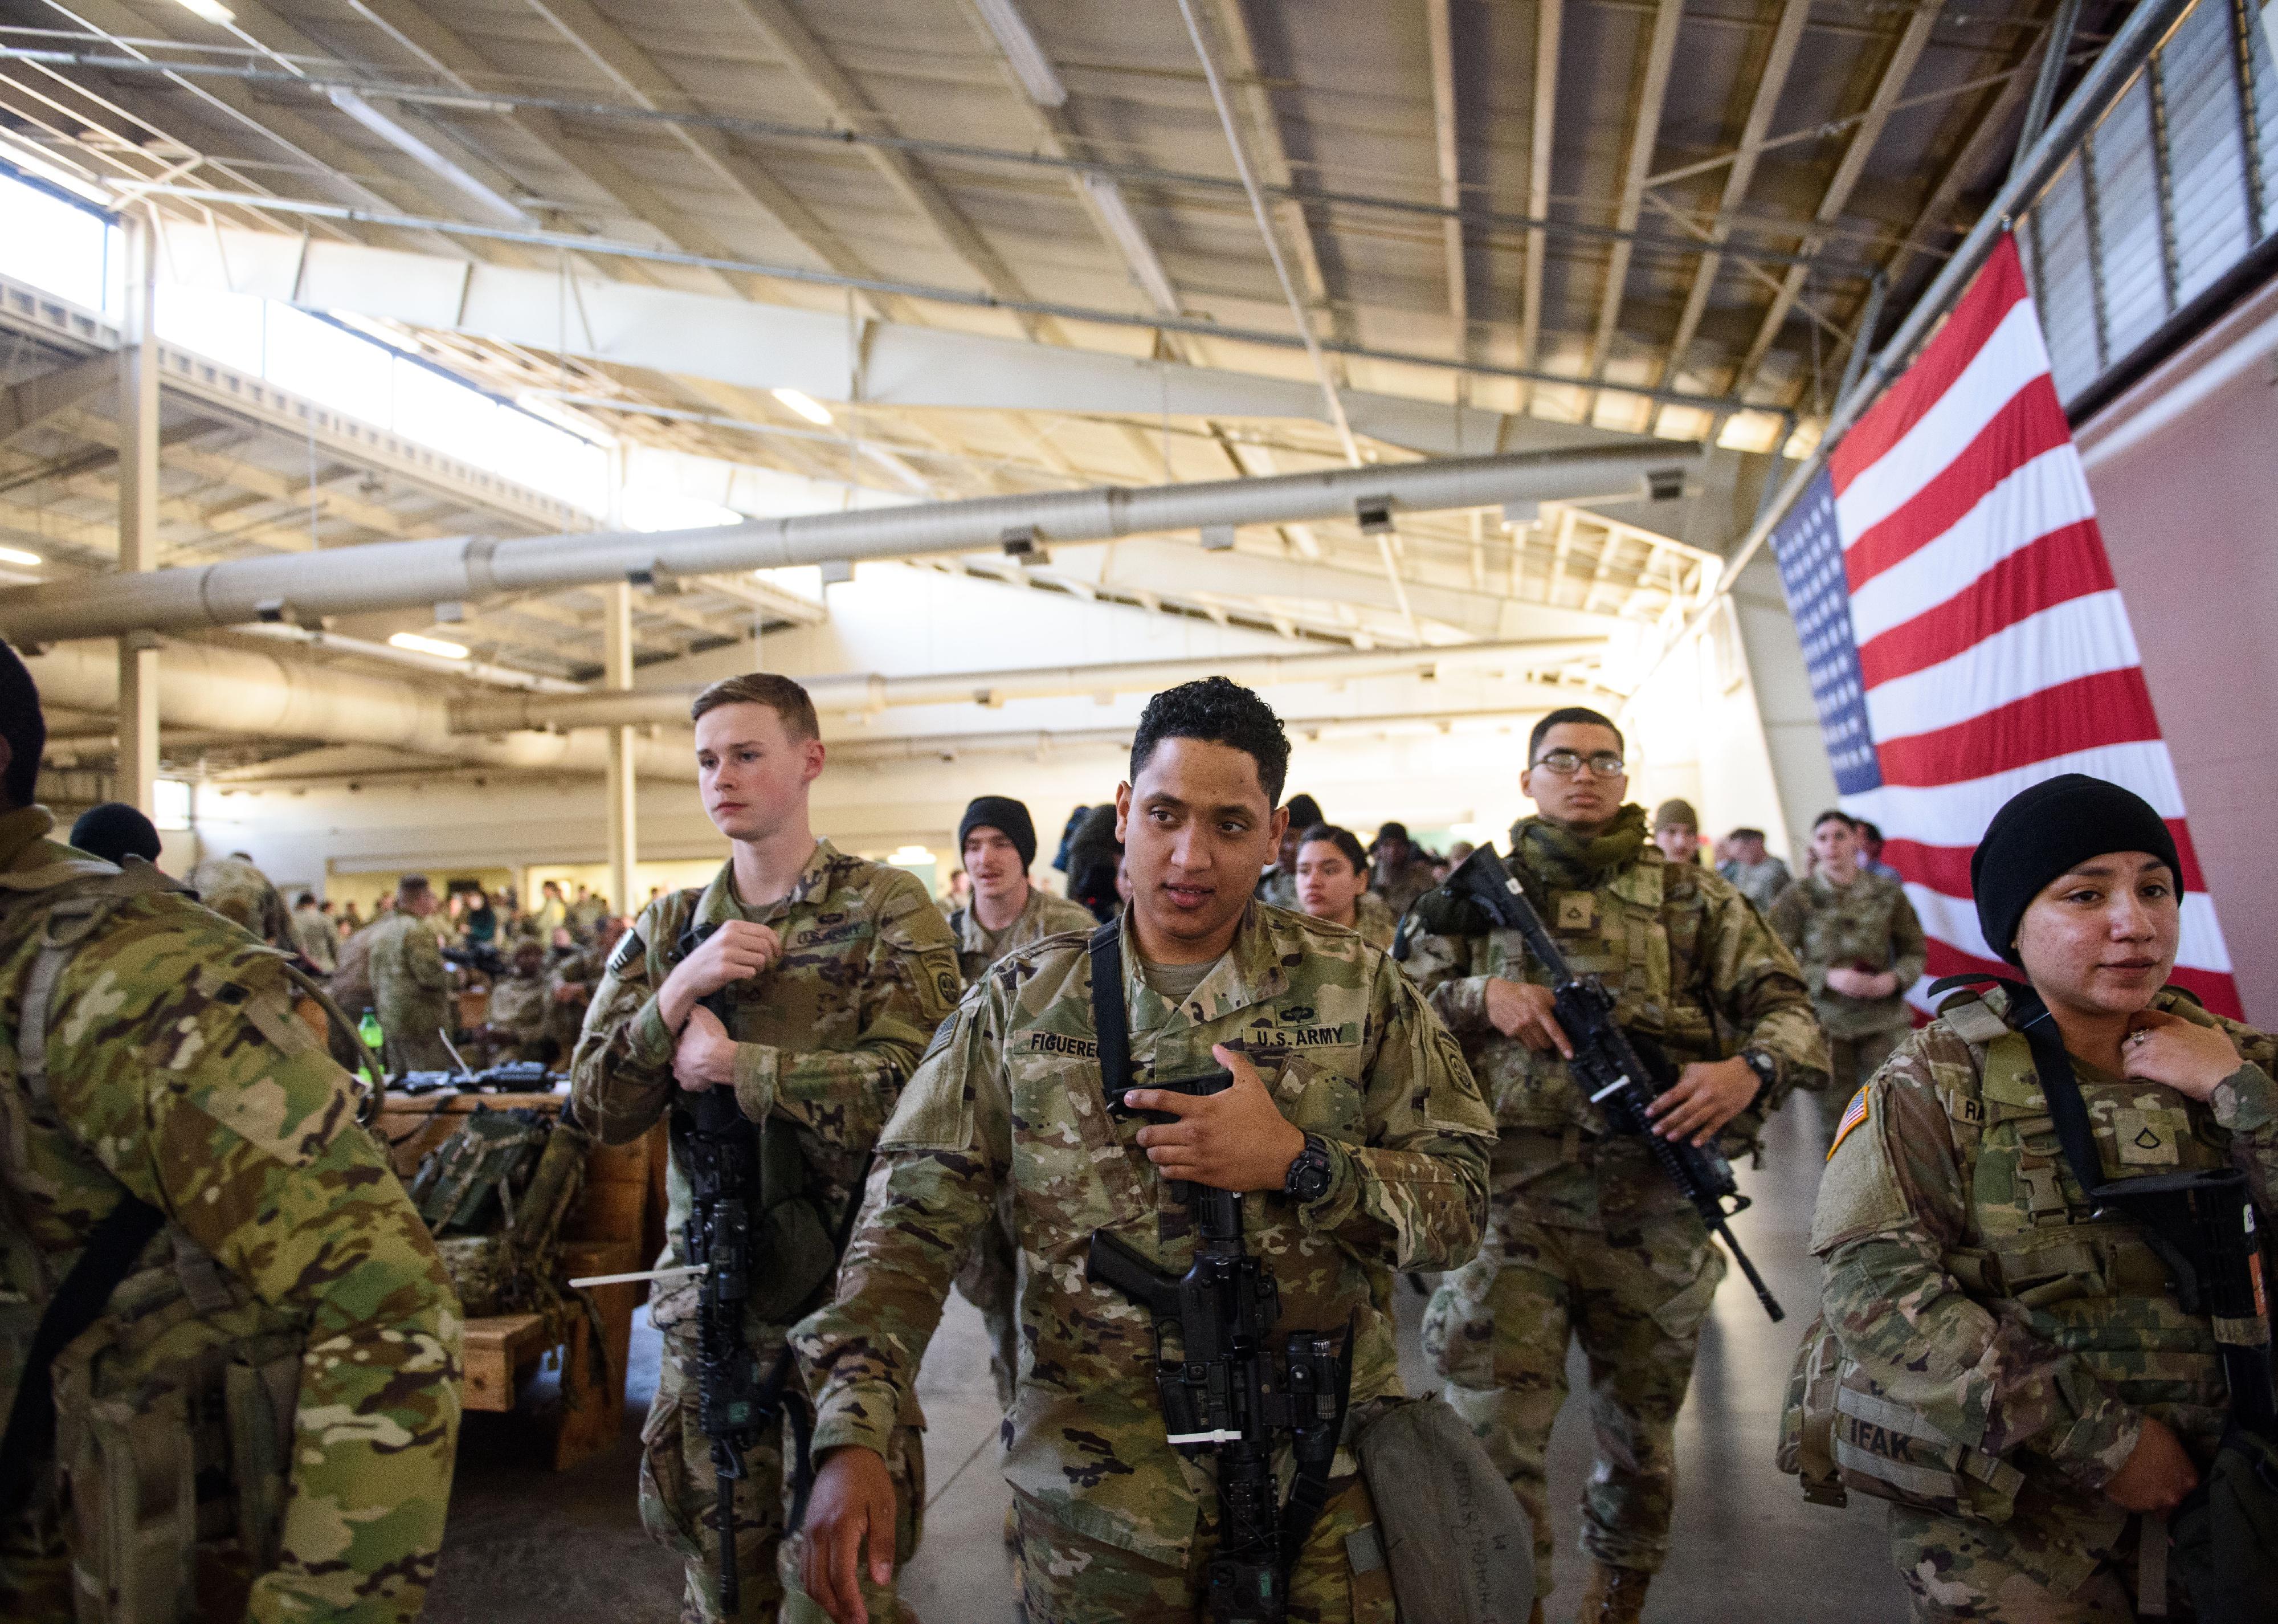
(1111, 1021)
(109, 1257)
(80, 895)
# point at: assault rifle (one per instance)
(1608, 1063)
(1224, 1392)
(506, 1077)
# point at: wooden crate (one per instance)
(608, 1232)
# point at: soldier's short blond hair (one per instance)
(778, 694)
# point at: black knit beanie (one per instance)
(1003, 813)
(2042, 832)
(116, 830)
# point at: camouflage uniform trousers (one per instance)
(413, 1029)
(679, 1503)
(1066, 1578)
(1954, 1572)
(1497, 1330)
(1854, 1060)
(991, 1281)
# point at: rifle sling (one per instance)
(109, 1257)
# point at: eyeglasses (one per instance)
(1566, 763)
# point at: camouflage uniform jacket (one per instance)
(1011, 1089)
(519, 1004)
(1868, 925)
(407, 961)
(1278, 889)
(582, 969)
(1761, 883)
(1042, 915)
(1402, 882)
(351, 980)
(825, 1040)
(1684, 955)
(314, 940)
(179, 1073)
(1373, 920)
(239, 891)
(1969, 1275)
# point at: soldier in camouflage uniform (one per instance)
(1353, 1120)
(997, 839)
(1947, 1190)
(1589, 1239)
(835, 971)
(1280, 885)
(515, 1025)
(570, 983)
(313, 936)
(411, 983)
(151, 1066)
(1861, 946)
(1332, 877)
(233, 888)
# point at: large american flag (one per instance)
(1961, 625)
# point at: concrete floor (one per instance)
(1746, 1549)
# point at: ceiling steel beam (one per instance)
(1771, 80)
(1440, 29)
(1904, 54)
(1549, 20)
(1645, 131)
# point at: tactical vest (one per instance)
(173, 1408)
(2038, 1249)
(1618, 933)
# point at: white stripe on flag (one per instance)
(1954, 921)
(2012, 358)
(2072, 640)
(2044, 495)
(1957, 813)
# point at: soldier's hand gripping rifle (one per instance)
(1226, 1391)
(1607, 1061)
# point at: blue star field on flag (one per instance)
(1810, 554)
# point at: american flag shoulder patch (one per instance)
(1853, 1114)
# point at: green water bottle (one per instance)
(368, 1029)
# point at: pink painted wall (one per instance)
(2184, 467)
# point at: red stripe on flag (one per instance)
(1998, 286)
(2032, 422)
(2060, 566)
(2213, 988)
(2108, 707)
(1946, 868)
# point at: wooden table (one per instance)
(616, 1227)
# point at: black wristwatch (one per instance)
(1310, 1172)
(1767, 1073)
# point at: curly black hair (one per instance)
(1217, 711)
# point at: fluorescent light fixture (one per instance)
(398, 136)
(1023, 51)
(212, 10)
(909, 856)
(18, 555)
(434, 646)
(1138, 253)
(806, 405)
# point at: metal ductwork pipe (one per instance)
(302, 587)
(872, 692)
(242, 692)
